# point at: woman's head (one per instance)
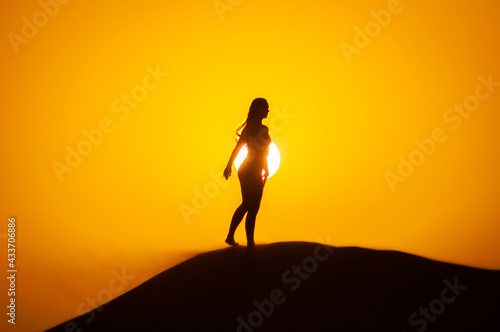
(258, 111)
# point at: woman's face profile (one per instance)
(265, 111)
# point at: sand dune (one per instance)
(299, 286)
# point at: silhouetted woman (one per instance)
(253, 172)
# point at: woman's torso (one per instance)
(257, 141)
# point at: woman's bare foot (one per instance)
(231, 242)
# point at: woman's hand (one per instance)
(239, 144)
(227, 172)
(266, 174)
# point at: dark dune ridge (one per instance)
(299, 286)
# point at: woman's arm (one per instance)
(239, 145)
(266, 171)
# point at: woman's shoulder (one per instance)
(244, 132)
(260, 131)
(264, 129)
(254, 129)
(264, 134)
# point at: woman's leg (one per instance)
(238, 215)
(253, 209)
(251, 192)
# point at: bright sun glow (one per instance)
(273, 158)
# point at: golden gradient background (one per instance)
(119, 209)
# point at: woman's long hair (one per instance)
(255, 115)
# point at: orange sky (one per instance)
(148, 94)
